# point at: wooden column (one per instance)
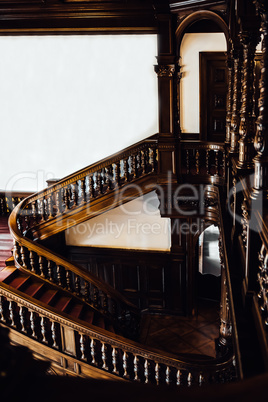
(229, 102)
(165, 70)
(249, 40)
(235, 119)
(260, 186)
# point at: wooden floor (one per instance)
(182, 335)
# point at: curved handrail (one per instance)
(133, 162)
(120, 356)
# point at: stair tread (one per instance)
(6, 272)
(48, 296)
(75, 310)
(18, 282)
(33, 288)
(62, 302)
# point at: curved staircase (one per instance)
(60, 310)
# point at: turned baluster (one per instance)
(41, 266)
(117, 176)
(16, 254)
(54, 335)
(65, 199)
(92, 351)
(98, 183)
(74, 194)
(187, 161)
(87, 292)
(50, 206)
(157, 373)
(197, 161)
(40, 204)
(95, 297)
(77, 285)
(59, 275)
(146, 371)
(22, 315)
(82, 347)
(189, 379)
(58, 202)
(125, 169)
(2, 309)
(33, 326)
(90, 188)
(155, 159)
(178, 376)
(43, 329)
(34, 214)
(23, 257)
(12, 313)
(201, 379)
(217, 163)
(106, 182)
(142, 162)
(207, 162)
(105, 302)
(50, 270)
(114, 361)
(167, 375)
(125, 366)
(68, 281)
(136, 368)
(32, 261)
(82, 191)
(103, 356)
(133, 166)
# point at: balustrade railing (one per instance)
(77, 191)
(203, 159)
(112, 354)
(9, 200)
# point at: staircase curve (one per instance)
(61, 311)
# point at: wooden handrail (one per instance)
(125, 355)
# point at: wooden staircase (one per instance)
(63, 311)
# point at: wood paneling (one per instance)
(144, 277)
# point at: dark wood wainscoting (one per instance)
(152, 280)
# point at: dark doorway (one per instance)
(213, 91)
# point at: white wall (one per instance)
(135, 225)
(68, 101)
(192, 44)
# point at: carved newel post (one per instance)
(249, 41)
(260, 186)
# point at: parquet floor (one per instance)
(184, 335)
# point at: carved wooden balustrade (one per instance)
(203, 162)
(105, 351)
(9, 200)
(39, 261)
(94, 188)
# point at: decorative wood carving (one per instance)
(260, 187)
(249, 41)
(235, 120)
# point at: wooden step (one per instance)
(7, 272)
(48, 296)
(19, 281)
(75, 309)
(87, 315)
(34, 288)
(61, 302)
